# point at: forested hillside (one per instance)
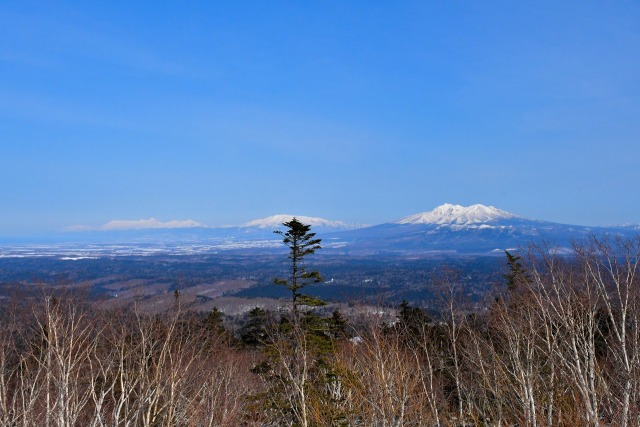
(558, 346)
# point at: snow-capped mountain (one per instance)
(476, 229)
(460, 215)
(275, 222)
(253, 234)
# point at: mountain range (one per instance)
(447, 229)
(475, 229)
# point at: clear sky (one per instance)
(222, 112)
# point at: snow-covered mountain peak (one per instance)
(275, 221)
(458, 215)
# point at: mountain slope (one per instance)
(475, 229)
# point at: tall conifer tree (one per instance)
(301, 242)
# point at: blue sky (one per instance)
(222, 112)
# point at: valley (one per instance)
(235, 283)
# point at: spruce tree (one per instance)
(516, 273)
(301, 242)
(214, 322)
(254, 333)
(298, 367)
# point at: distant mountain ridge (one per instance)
(447, 229)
